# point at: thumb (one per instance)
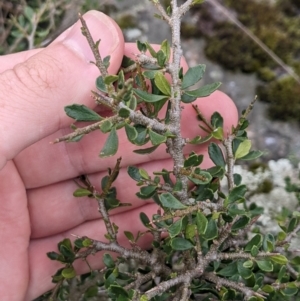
(34, 92)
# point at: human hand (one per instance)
(37, 208)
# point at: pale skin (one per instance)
(37, 208)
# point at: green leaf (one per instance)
(145, 151)
(265, 265)
(218, 133)
(165, 47)
(124, 112)
(156, 139)
(151, 50)
(53, 255)
(216, 155)
(244, 272)
(144, 174)
(192, 76)
(193, 160)
(169, 201)
(187, 98)
(204, 91)
(100, 84)
(82, 192)
(190, 231)
(280, 259)
(127, 62)
(292, 224)
(106, 126)
(241, 223)
(200, 178)
(268, 288)
(216, 120)
(110, 79)
(28, 12)
(212, 230)
(147, 97)
(141, 46)
(150, 74)
(129, 236)
(237, 193)
(68, 273)
(175, 228)
(161, 58)
(252, 155)
(243, 149)
(201, 222)
(148, 191)
(111, 145)
(181, 244)
(162, 83)
(229, 270)
(254, 251)
(106, 61)
(144, 219)
(134, 173)
(255, 241)
(108, 261)
(131, 132)
(82, 113)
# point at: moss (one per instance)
(265, 187)
(234, 50)
(283, 96)
(266, 74)
(126, 21)
(189, 30)
(255, 166)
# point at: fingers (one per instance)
(14, 235)
(42, 268)
(34, 93)
(68, 211)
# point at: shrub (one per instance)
(210, 250)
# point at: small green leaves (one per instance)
(110, 79)
(175, 228)
(131, 132)
(169, 201)
(162, 83)
(100, 84)
(147, 97)
(241, 223)
(134, 173)
(216, 154)
(68, 273)
(265, 265)
(243, 149)
(203, 91)
(192, 76)
(280, 259)
(80, 192)
(181, 244)
(201, 222)
(141, 46)
(106, 126)
(124, 112)
(237, 193)
(111, 145)
(156, 138)
(82, 113)
(255, 241)
(212, 230)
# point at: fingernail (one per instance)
(101, 27)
